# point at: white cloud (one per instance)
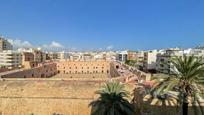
(20, 44)
(17, 43)
(56, 45)
(53, 44)
(110, 47)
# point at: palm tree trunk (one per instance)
(185, 108)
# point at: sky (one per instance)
(103, 24)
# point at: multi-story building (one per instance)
(10, 59)
(140, 60)
(28, 60)
(122, 56)
(5, 45)
(198, 52)
(38, 56)
(52, 56)
(63, 55)
(163, 63)
(132, 55)
(27, 56)
(150, 58)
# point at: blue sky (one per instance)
(95, 24)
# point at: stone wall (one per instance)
(42, 71)
(46, 97)
(83, 67)
(113, 70)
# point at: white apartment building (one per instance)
(10, 59)
(150, 58)
(140, 59)
(163, 64)
(198, 52)
(63, 55)
(122, 56)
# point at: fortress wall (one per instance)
(43, 106)
(63, 67)
(113, 70)
(47, 97)
(83, 67)
(43, 71)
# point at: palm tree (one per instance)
(185, 84)
(112, 101)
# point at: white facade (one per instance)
(122, 56)
(10, 59)
(63, 55)
(150, 58)
(198, 52)
(163, 64)
(140, 59)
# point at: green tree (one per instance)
(185, 84)
(131, 62)
(112, 101)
